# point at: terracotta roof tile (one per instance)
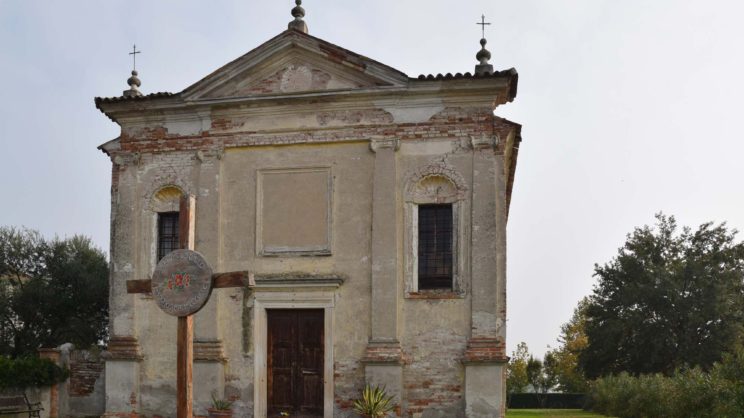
(100, 100)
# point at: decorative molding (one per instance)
(162, 181)
(437, 183)
(126, 158)
(383, 352)
(204, 155)
(415, 178)
(484, 141)
(124, 348)
(376, 144)
(298, 280)
(485, 351)
(158, 204)
(208, 351)
(199, 155)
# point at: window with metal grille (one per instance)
(434, 247)
(167, 233)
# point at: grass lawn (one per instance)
(550, 413)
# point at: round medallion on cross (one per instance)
(182, 283)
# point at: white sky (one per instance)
(629, 107)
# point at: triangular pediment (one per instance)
(294, 63)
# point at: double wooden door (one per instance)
(295, 362)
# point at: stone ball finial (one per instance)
(483, 56)
(134, 80)
(134, 84)
(298, 13)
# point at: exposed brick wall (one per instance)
(455, 123)
(85, 370)
(433, 376)
(348, 378)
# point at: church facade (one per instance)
(369, 207)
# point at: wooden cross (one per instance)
(185, 356)
(134, 56)
(483, 25)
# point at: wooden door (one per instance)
(295, 362)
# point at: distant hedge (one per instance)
(29, 372)
(547, 400)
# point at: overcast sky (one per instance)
(629, 108)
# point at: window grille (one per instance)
(435, 247)
(167, 233)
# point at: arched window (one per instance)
(165, 204)
(435, 232)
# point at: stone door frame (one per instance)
(297, 299)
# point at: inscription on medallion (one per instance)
(182, 283)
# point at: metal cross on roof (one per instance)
(483, 24)
(134, 56)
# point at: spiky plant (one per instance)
(220, 404)
(374, 402)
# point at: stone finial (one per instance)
(483, 68)
(134, 83)
(298, 12)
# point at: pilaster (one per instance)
(123, 239)
(485, 358)
(209, 359)
(123, 360)
(123, 356)
(382, 361)
(488, 249)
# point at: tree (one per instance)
(53, 292)
(541, 375)
(534, 373)
(668, 299)
(549, 377)
(22, 255)
(516, 372)
(572, 342)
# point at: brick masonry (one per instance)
(433, 376)
(454, 123)
(85, 369)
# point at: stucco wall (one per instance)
(224, 155)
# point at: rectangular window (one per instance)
(167, 233)
(435, 247)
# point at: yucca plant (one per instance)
(374, 403)
(220, 404)
(221, 408)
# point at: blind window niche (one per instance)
(435, 247)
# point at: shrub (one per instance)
(688, 393)
(29, 372)
(730, 389)
(546, 400)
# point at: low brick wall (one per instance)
(85, 370)
(83, 394)
(85, 389)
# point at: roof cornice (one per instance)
(484, 91)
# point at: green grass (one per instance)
(550, 413)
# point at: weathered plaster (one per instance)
(387, 143)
